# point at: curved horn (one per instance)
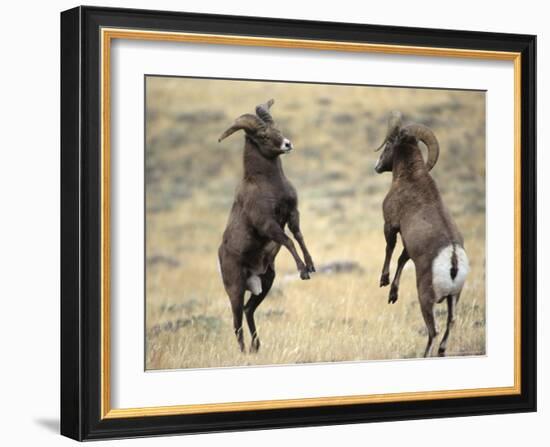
(426, 135)
(262, 111)
(394, 123)
(246, 122)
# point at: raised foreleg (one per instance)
(294, 226)
(403, 258)
(272, 230)
(390, 233)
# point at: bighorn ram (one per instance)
(264, 204)
(413, 208)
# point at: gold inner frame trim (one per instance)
(107, 35)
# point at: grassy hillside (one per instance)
(190, 182)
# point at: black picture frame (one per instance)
(81, 223)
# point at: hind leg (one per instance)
(236, 298)
(451, 317)
(267, 281)
(427, 302)
(234, 283)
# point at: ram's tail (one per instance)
(449, 270)
(454, 263)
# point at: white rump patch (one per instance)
(442, 282)
(254, 284)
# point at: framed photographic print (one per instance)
(277, 223)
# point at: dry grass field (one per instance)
(338, 316)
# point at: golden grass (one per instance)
(341, 317)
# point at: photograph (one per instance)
(294, 222)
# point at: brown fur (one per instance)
(413, 207)
(265, 202)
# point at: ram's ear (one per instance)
(247, 122)
(394, 123)
(405, 134)
(262, 110)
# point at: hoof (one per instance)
(304, 274)
(393, 295)
(240, 341)
(255, 346)
(384, 279)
